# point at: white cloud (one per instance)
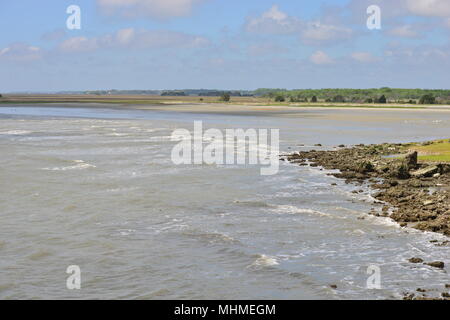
(21, 52)
(130, 38)
(79, 44)
(419, 55)
(431, 8)
(158, 9)
(321, 58)
(273, 21)
(405, 31)
(317, 32)
(392, 9)
(365, 57)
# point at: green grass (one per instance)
(435, 158)
(437, 151)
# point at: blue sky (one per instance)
(224, 44)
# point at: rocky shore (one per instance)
(415, 194)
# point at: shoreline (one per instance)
(222, 108)
(415, 194)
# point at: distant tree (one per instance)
(369, 100)
(225, 97)
(382, 99)
(1, 96)
(427, 99)
(338, 98)
(314, 99)
(280, 98)
(328, 100)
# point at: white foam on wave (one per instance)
(80, 165)
(16, 132)
(116, 134)
(126, 232)
(265, 261)
(160, 138)
(385, 221)
(288, 209)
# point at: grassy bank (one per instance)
(433, 151)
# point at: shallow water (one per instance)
(96, 188)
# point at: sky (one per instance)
(223, 44)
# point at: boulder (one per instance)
(436, 264)
(426, 172)
(399, 171)
(411, 159)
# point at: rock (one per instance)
(409, 297)
(411, 159)
(415, 260)
(333, 286)
(436, 175)
(445, 295)
(447, 285)
(436, 264)
(341, 146)
(426, 172)
(428, 202)
(317, 145)
(421, 290)
(399, 171)
(364, 167)
(393, 183)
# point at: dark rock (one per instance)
(415, 260)
(411, 159)
(400, 171)
(436, 264)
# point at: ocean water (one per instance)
(97, 188)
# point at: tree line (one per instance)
(381, 95)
